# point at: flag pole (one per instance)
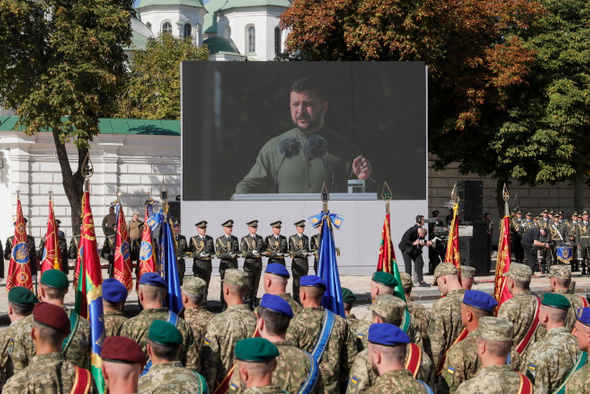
(506, 197)
(325, 198)
(386, 195)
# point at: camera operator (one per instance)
(411, 245)
(533, 239)
(436, 228)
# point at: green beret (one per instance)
(555, 300)
(348, 296)
(256, 350)
(55, 279)
(22, 296)
(385, 279)
(165, 334)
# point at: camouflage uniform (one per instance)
(137, 328)
(445, 324)
(293, 366)
(78, 353)
(551, 359)
(223, 332)
(46, 373)
(362, 337)
(575, 302)
(264, 390)
(6, 344)
(421, 315)
(113, 320)
(520, 311)
(339, 353)
(198, 318)
(495, 379)
(352, 321)
(171, 378)
(579, 382)
(295, 306)
(397, 382)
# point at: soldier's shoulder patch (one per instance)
(354, 380)
(532, 367)
(451, 370)
(360, 335)
(233, 386)
(207, 342)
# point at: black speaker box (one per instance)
(470, 200)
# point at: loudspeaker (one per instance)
(476, 258)
(474, 249)
(470, 200)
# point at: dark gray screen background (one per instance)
(231, 109)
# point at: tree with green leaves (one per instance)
(154, 81)
(62, 66)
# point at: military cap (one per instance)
(201, 224)
(529, 213)
(113, 291)
(276, 224)
(135, 212)
(479, 300)
(575, 213)
(467, 272)
(52, 316)
(444, 269)
(122, 350)
(521, 272)
(277, 269)
(387, 335)
(300, 223)
(545, 210)
(560, 213)
(152, 279)
(57, 222)
(228, 223)
(518, 211)
(435, 212)
(583, 213)
(406, 280)
(256, 350)
(194, 285)
(495, 329)
(560, 271)
(164, 333)
(253, 223)
(551, 212)
(55, 279)
(348, 296)
(276, 304)
(22, 296)
(312, 281)
(388, 306)
(236, 277)
(555, 300)
(176, 223)
(583, 315)
(384, 278)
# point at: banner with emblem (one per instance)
(90, 290)
(122, 265)
(501, 293)
(19, 269)
(453, 255)
(147, 259)
(387, 261)
(51, 251)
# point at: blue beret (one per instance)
(276, 304)
(312, 280)
(387, 334)
(583, 316)
(113, 291)
(479, 300)
(277, 269)
(153, 279)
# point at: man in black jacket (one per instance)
(411, 247)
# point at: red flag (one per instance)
(453, 255)
(122, 266)
(387, 261)
(51, 254)
(19, 270)
(147, 260)
(501, 293)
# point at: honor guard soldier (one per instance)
(108, 251)
(21, 302)
(560, 279)
(167, 375)
(275, 245)
(314, 247)
(494, 341)
(583, 240)
(114, 295)
(193, 296)
(516, 231)
(135, 227)
(152, 291)
(529, 221)
(226, 249)
(181, 249)
(74, 244)
(122, 362)
(544, 220)
(226, 329)
(275, 281)
(49, 371)
(256, 363)
(295, 368)
(32, 251)
(299, 248)
(76, 348)
(63, 248)
(551, 358)
(202, 249)
(571, 232)
(579, 380)
(252, 245)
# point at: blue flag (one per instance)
(327, 265)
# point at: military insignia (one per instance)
(532, 367)
(451, 370)
(354, 380)
(20, 253)
(360, 335)
(207, 342)
(233, 386)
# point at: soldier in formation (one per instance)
(226, 249)
(202, 249)
(122, 363)
(252, 245)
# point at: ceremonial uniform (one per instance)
(113, 320)
(495, 379)
(198, 318)
(135, 232)
(252, 245)
(202, 249)
(517, 229)
(399, 381)
(108, 253)
(181, 249)
(445, 325)
(73, 250)
(32, 253)
(276, 248)
(223, 332)
(314, 245)
(298, 246)
(583, 241)
(171, 378)
(226, 249)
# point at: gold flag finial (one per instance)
(164, 196)
(506, 197)
(325, 198)
(50, 194)
(386, 195)
(119, 194)
(455, 194)
(87, 171)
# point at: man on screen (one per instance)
(302, 159)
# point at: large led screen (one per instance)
(291, 127)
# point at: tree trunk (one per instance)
(73, 183)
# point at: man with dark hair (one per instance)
(308, 156)
(411, 246)
(114, 295)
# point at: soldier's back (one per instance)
(198, 318)
(495, 379)
(171, 378)
(445, 324)
(399, 381)
(295, 306)
(579, 382)
(113, 320)
(422, 317)
(23, 349)
(6, 344)
(576, 303)
(78, 350)
(520, 311)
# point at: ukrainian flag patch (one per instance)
(532, 367)
(451, 370)
(354, 380)
(233, 386)
(360, 335)
(207, 342)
